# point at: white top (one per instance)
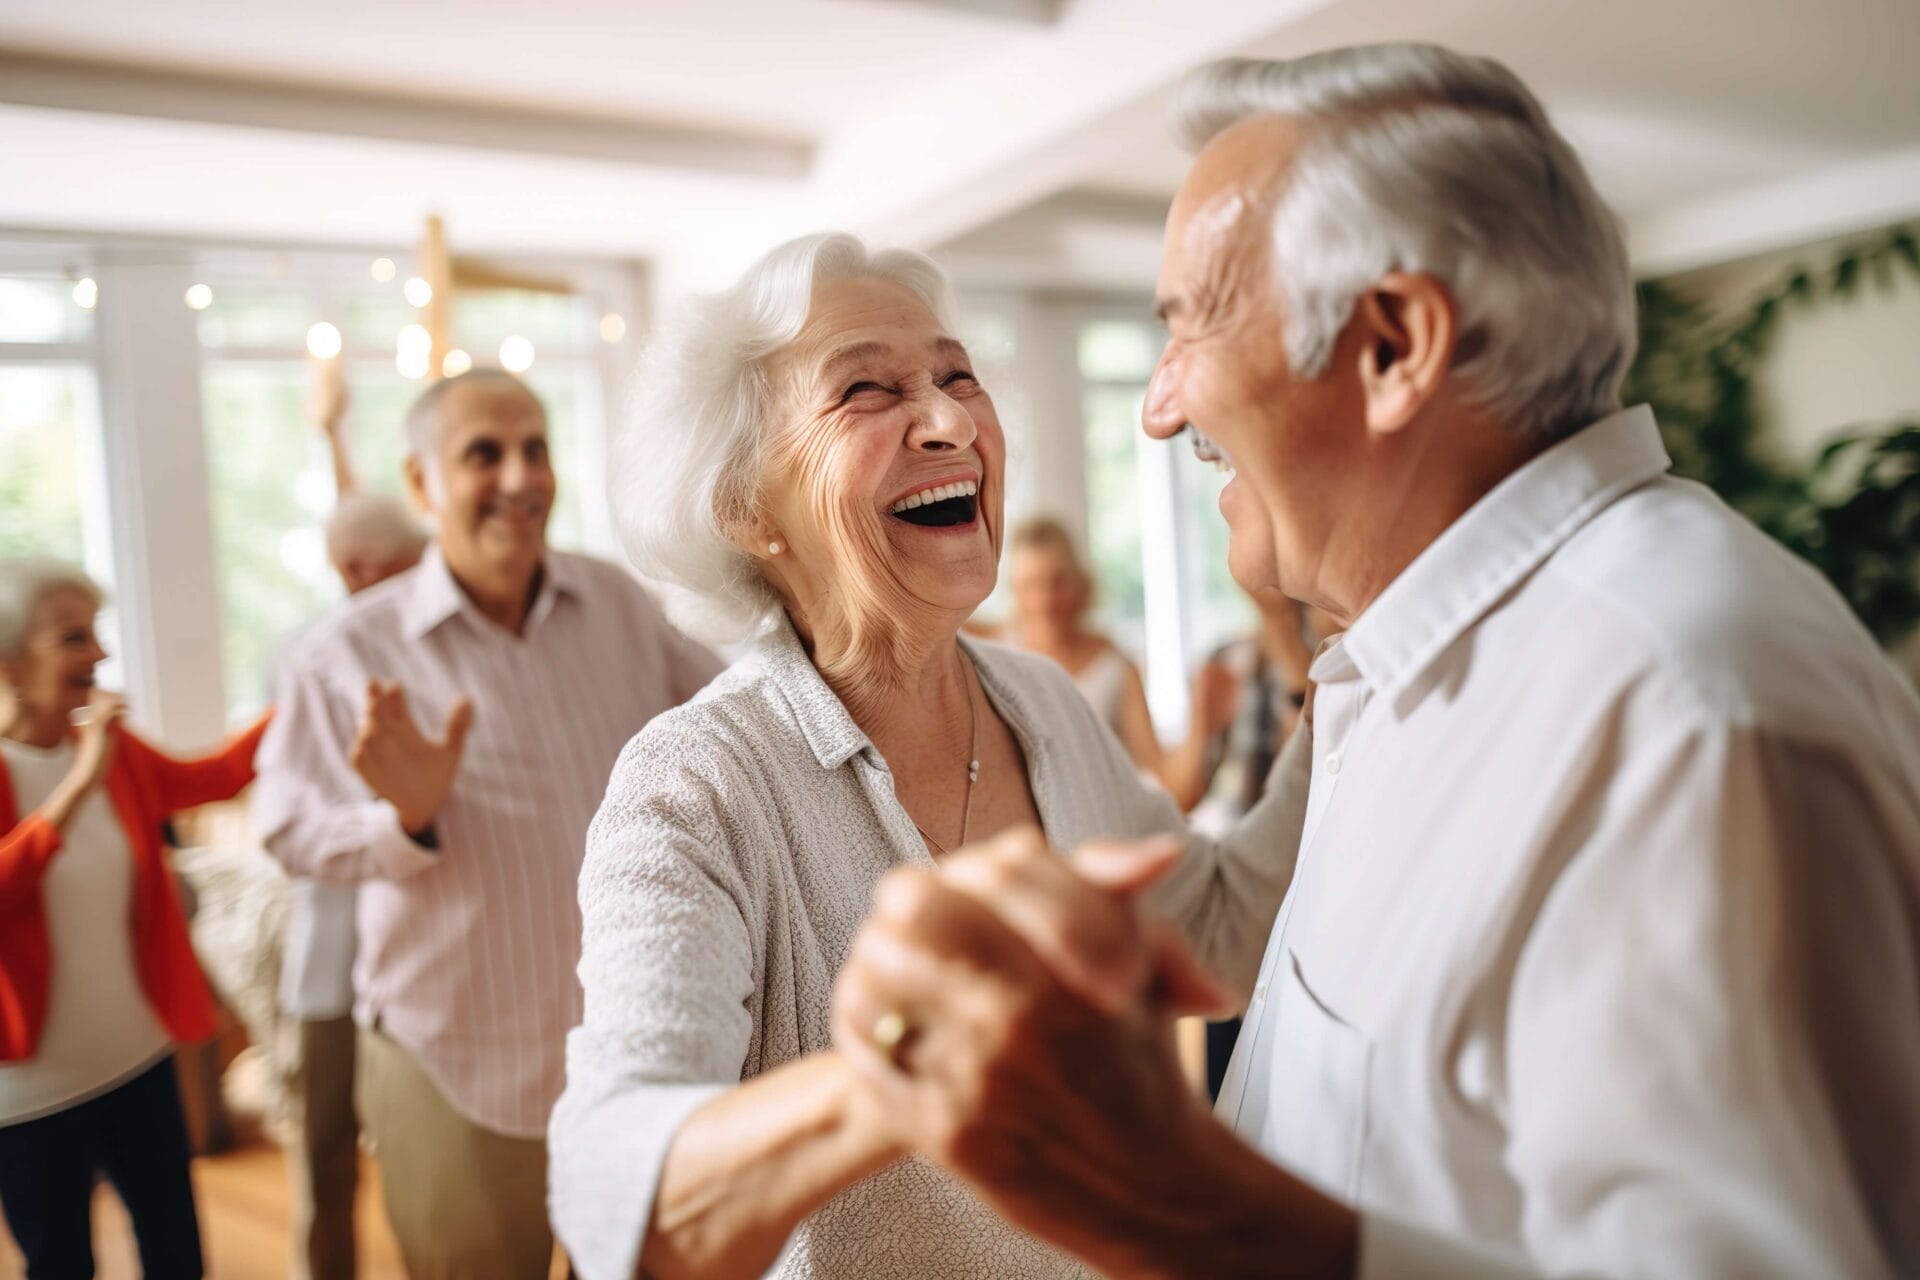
(467, 952)
(1103, 683)
(1602, 955)
(100, 1030)
(316, 958)
(726, 876)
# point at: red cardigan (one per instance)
(145, 787)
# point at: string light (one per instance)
(383, 269)
(612, 328)
(516, 354)
(413, 352)
(323, 341)
(199, 297)
(418, 292)
(85, 293)
(455, 363)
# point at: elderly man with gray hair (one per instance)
(1602, 951)
(530, 667)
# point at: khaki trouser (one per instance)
(326, 1164)
(465, 1203)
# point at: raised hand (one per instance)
(411, 771)
(98, 728)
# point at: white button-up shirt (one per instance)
(467, 952)
(1602, 957)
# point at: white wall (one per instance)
(1838, 363)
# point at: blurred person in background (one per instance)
(98, 980)
(370, 537)
(530, 668)
(1052, 593)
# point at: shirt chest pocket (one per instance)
(1315, 1117)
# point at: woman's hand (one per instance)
(98, 729)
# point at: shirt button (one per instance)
(1333, 762)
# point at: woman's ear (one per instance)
(1408, 327)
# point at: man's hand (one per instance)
(412, 772)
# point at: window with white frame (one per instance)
(52, 488)
(270, 472)
(1157, 539)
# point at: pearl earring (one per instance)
(774, 548)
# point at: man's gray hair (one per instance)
(24, 582)
(1421, 159)
(375, 527)
(423, 415)
(687, 458)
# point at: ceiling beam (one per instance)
(1856, 196)
(73, 84)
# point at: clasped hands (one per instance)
(1012, 1014)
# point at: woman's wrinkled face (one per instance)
(886, 462)
(53, 674)
(1047, 589)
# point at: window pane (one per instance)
(1118, 351)
(44, 409)
(42, 309)
(374, 320)
(376, 417)
(249, 316)
(1219, 608)
(272, 488)
(551, 321)
(1113, 520)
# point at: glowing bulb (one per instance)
(612, 328)
(516, 354)
(414, 337)
(455, 363)
(411, 363)
(199, 297)
(85, 293)
(418, 292)
(383, 269)
(323, 341)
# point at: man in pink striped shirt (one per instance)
(533, 668)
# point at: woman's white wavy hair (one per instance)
(686, 460)
(1421, 159)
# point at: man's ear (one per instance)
(1407, 326)
(417, 490)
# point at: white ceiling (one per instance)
(1032, 148)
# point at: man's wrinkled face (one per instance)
(490, 486)
(886, 458)
(1225, 373)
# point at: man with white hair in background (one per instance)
(370, 537)
(1602, 951)
(532, 668)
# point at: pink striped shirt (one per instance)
(467, 952)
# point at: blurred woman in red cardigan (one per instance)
(98, 980)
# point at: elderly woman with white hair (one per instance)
(813, 467)
(98, 979)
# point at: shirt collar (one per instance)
(824, 720)
(1493, 547)
(433, 596)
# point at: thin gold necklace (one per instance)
(973, 771)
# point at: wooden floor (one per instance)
(243, 1223)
